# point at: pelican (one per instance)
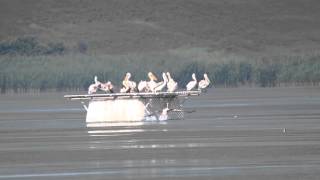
(107, 87)
(142, 86)
(129, 86)
(133, 86)
(171, 85)
(192, 84)
(124, 90)
(92, 88)
(149, 116)
(162, 84)
(125, 83)
(152, 83)
(204, 83)
(164, 114)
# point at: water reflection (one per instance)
(108, 129)
(113, 130)
(123, 124)
(121, 128)
(115, 124)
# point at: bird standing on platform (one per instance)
(192, 84)
(142, 86)
(94, 87)
(107, 87)
(204, 83)
(161, 84)
(128, 86)
(152, 81)
(171, 85)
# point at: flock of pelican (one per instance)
(152, 85)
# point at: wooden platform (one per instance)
(133, 95)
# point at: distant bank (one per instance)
(76, 71)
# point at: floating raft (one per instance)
(133, 95)
(111, 107)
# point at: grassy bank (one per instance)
(76, 71)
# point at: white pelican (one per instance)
(92, 88)
(133, 86)
(142, 86)
(124, 90)
(107, 87)
(192, 84)
(129, 86)
(152, 83)
(171, 85)
(125, 83)
(204, 83)
(161, 84)
(164, 114)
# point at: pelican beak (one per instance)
(155, 78)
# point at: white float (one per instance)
(115, 107)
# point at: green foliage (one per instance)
(245, 73)
(301, 70)
(76, 71)
(29, 46)
(267, 75)
(226, 74)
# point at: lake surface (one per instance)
(240, 133)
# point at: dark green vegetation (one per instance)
(76, 71)
(248, 42)
(29, 46)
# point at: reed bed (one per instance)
(19, 73)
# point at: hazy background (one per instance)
(61, 45)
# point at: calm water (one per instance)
(251, 133)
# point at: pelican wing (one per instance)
(191, 85)
(160, 86)
(203, 84)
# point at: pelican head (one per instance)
(164, 76)
(152, 76)
(168, 75)
(98, 83)
(205, 75)
(127, 76)
(194, 76)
